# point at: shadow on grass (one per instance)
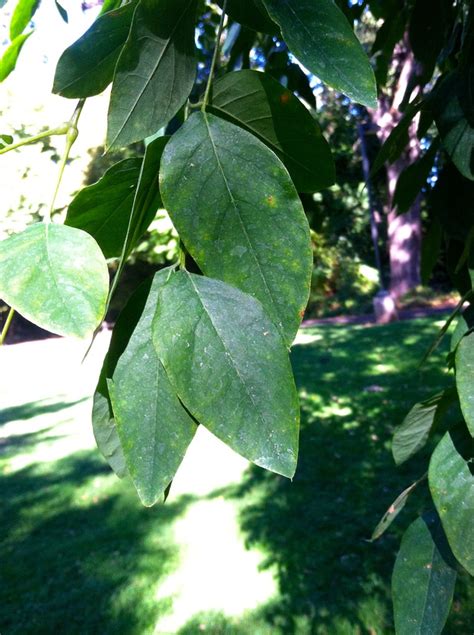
(32, 409)
(76, 560)
(355, 386)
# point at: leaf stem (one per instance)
(71, 136)
(207, 94)
(6, 326)
(61, 130)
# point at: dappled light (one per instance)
(234, 550)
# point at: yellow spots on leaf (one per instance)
(271, 200)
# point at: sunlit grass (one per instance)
(236, 550)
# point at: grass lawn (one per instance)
(236, 550)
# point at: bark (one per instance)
(404, 231)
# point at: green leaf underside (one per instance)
(319, 35)
(423, 579)
(393, 511)
(56, 277)
(413, 433)
(10, 56)
(155, 71)
(147, 198)
(251, 14)
(22, 15)
(456, 132)
(464, 378)
(229, 366)
(154, 428)
(234, 206)
(106, 435)
(103, 209)
(452, 488)
(86, 67)
(264, 107)
(103, 421)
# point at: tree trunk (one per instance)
(404, 231)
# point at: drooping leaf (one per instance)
(453, 122)
(450, 202)
(106, 435)
(427, 33)
(452, 488)
(464, 378)
(430, 250)
(155, 71)
(423, 579)
(147, 198)
(464, 325)
(62, 11)
(56, 277)
(86, 67)
(413, 179)
(154, 428)
(319, 35)
(22, 16)
(414, 432)
(10, 56)
(394, 509)
(252, 14)
(264, 107)
(229, 366)
(235, 207)
(103, 420)
(103, 209)
(397, 140)
(127, 194)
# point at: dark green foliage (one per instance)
(423, 579)
(211, 347)
(87, 67)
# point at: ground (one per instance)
(236, 550)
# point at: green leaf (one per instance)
(235, 207)
(62, 11)
(22, 16)
(10, 56)
(394, 509)
(453, 122)
(464, 378)
(452, 488)
(252, 14)
(155, 71)
(320, 36)
(154, 428)
(56, 277)
(413, 179)
(87, 67)
(127, 195)
(147, 198)
(414, 432)
(5, 140)
(106, 435)
(423, 579)
(430, 250)
(397, 140)
(464, 325)
(103, 421)
(103, 209)
(229, 366)
(258, 103)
